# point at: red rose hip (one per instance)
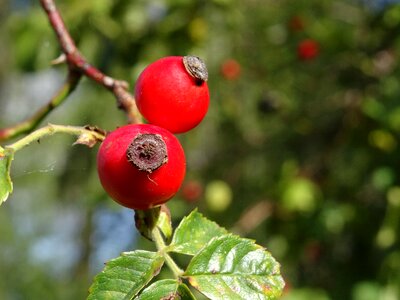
(172, 93)
(141, 166)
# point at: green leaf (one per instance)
(166, 289)
(124, 276)
(6, 185)
(231, 267)
(193, 233)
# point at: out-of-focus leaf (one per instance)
(306, 294)
(218, 195)
(230, 267)
(301, 195)
(367, 290)
(166, 289)
(124, 276)
(382, 140)
(193, 233)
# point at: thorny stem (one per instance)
(160, 244)
(76, 61)
(77, 66)
(51, 129)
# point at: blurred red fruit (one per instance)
(307, 49)
(192, 191)
(230, 69)
(296, 23)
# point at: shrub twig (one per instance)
(78, 66)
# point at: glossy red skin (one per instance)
(168, 96)
(129, 186)
(307, 49)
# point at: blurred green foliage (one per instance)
(301, 155)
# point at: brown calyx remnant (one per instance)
(147, 152)
(196, 68)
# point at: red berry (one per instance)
(172, 92)
(141, 165)
(307, 49)
(230, 69)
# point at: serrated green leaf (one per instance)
(231, 267)
(193, 233)
(166, 289)
(124, 276)
(6, 185)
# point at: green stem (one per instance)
(160, 244)
(51, 129)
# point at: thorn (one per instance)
(59, 60)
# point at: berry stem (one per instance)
(160, 244)
(51, 129)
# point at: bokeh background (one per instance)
(299, 150)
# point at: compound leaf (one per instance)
(6, 185)
(231, 267)
(166, 289)
(193, 233)
(124, 276)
